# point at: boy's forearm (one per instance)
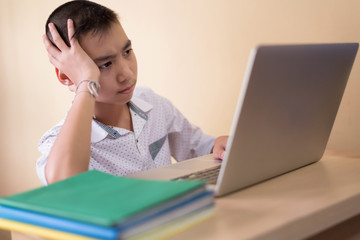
(70, 153)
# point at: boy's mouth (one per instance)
(127, 90)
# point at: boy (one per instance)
(110, 126)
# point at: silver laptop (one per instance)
(286, 109)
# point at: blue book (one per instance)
(57, 223)
(127, 229)
(103, 199)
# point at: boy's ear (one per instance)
(63, 79)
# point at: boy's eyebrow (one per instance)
(104, 58)
(127, 45)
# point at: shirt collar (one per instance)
(141, 104)
(138, 105)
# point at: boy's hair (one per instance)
(88, 17)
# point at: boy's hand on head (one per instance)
(220, 147)
(73, 61)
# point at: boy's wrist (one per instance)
(81, 86)
(87, 85)
(88, 74)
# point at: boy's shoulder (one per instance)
(141, 91)
(148, 95)
(147, 99)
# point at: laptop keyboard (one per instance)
(210, 175)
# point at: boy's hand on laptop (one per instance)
(72, 61)
(220, 147)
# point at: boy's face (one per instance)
(113, 54)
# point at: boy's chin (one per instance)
(121, 101)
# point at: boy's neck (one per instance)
(114, 115)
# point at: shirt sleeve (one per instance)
(185, 139)
(44, 147)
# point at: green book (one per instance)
(103, 199)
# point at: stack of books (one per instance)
(96, 205)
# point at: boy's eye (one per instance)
(127, 52)
(106, 65)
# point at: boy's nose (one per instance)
(123, 71)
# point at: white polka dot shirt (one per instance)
(160, 131)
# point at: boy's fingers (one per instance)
(52, 51)
(56, 37)
(53, 60)
(48, 45)
(219, 147)
(71, 30)
(217, 156)
(219, 152)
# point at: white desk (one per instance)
(295, 205)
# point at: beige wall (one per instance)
(193, 52)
